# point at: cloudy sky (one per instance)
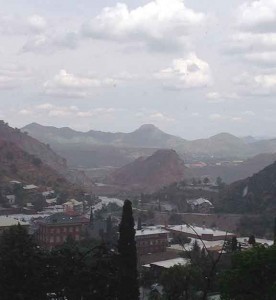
(192, 67)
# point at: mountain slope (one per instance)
(150, 173)
(256, 194)
(16, 164)
(36, 148)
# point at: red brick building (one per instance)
(151, 240)
(55, 229)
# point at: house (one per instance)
(73, 206)
(156, 268)
(54, 230)
(206, 234)
(200, 205)
(151, 239)
(7, 222)
(166, 264)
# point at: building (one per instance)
(151, 240)
(159, 266)
(73, 206)
(30, 187)
(206, 234)
(200, 205)
(54, 230)
(7, 222)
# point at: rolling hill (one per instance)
(150, 173)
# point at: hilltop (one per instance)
(150, 173)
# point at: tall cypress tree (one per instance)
(128, 283)
(274, 231)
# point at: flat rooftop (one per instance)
(169, 263)
(151, 231)
(198, 230)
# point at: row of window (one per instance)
(59, 239)
(151, 242)
(58, 230)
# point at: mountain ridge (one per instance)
(68, 142)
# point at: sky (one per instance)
(193, 68)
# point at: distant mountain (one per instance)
(98, 149)
(39, 150)
(150, 173)
(255, 194)
(147, 136)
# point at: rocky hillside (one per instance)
(256, 194)
(150, 173)
(33, 147)
(16, 164)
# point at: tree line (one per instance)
(73, 271)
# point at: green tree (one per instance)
(139, 224)
(206, 180)
(180, 282)
(251, 240)
(128, 284)
(252, 276)
(21, 266)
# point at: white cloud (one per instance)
(158, 24)
(249, 113)
(70, 85)
(45, 106)
(266, 80)
(255, 36)
(265, 58)
(13, 75)
(213, 95)
(49, 42)
(71, 111)
(18, 25)
(257, 84)
(25, 112)
(258, 15)
(237, 119)
(37, 23)
(215, 117)
(188, 72)
(158, 116)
